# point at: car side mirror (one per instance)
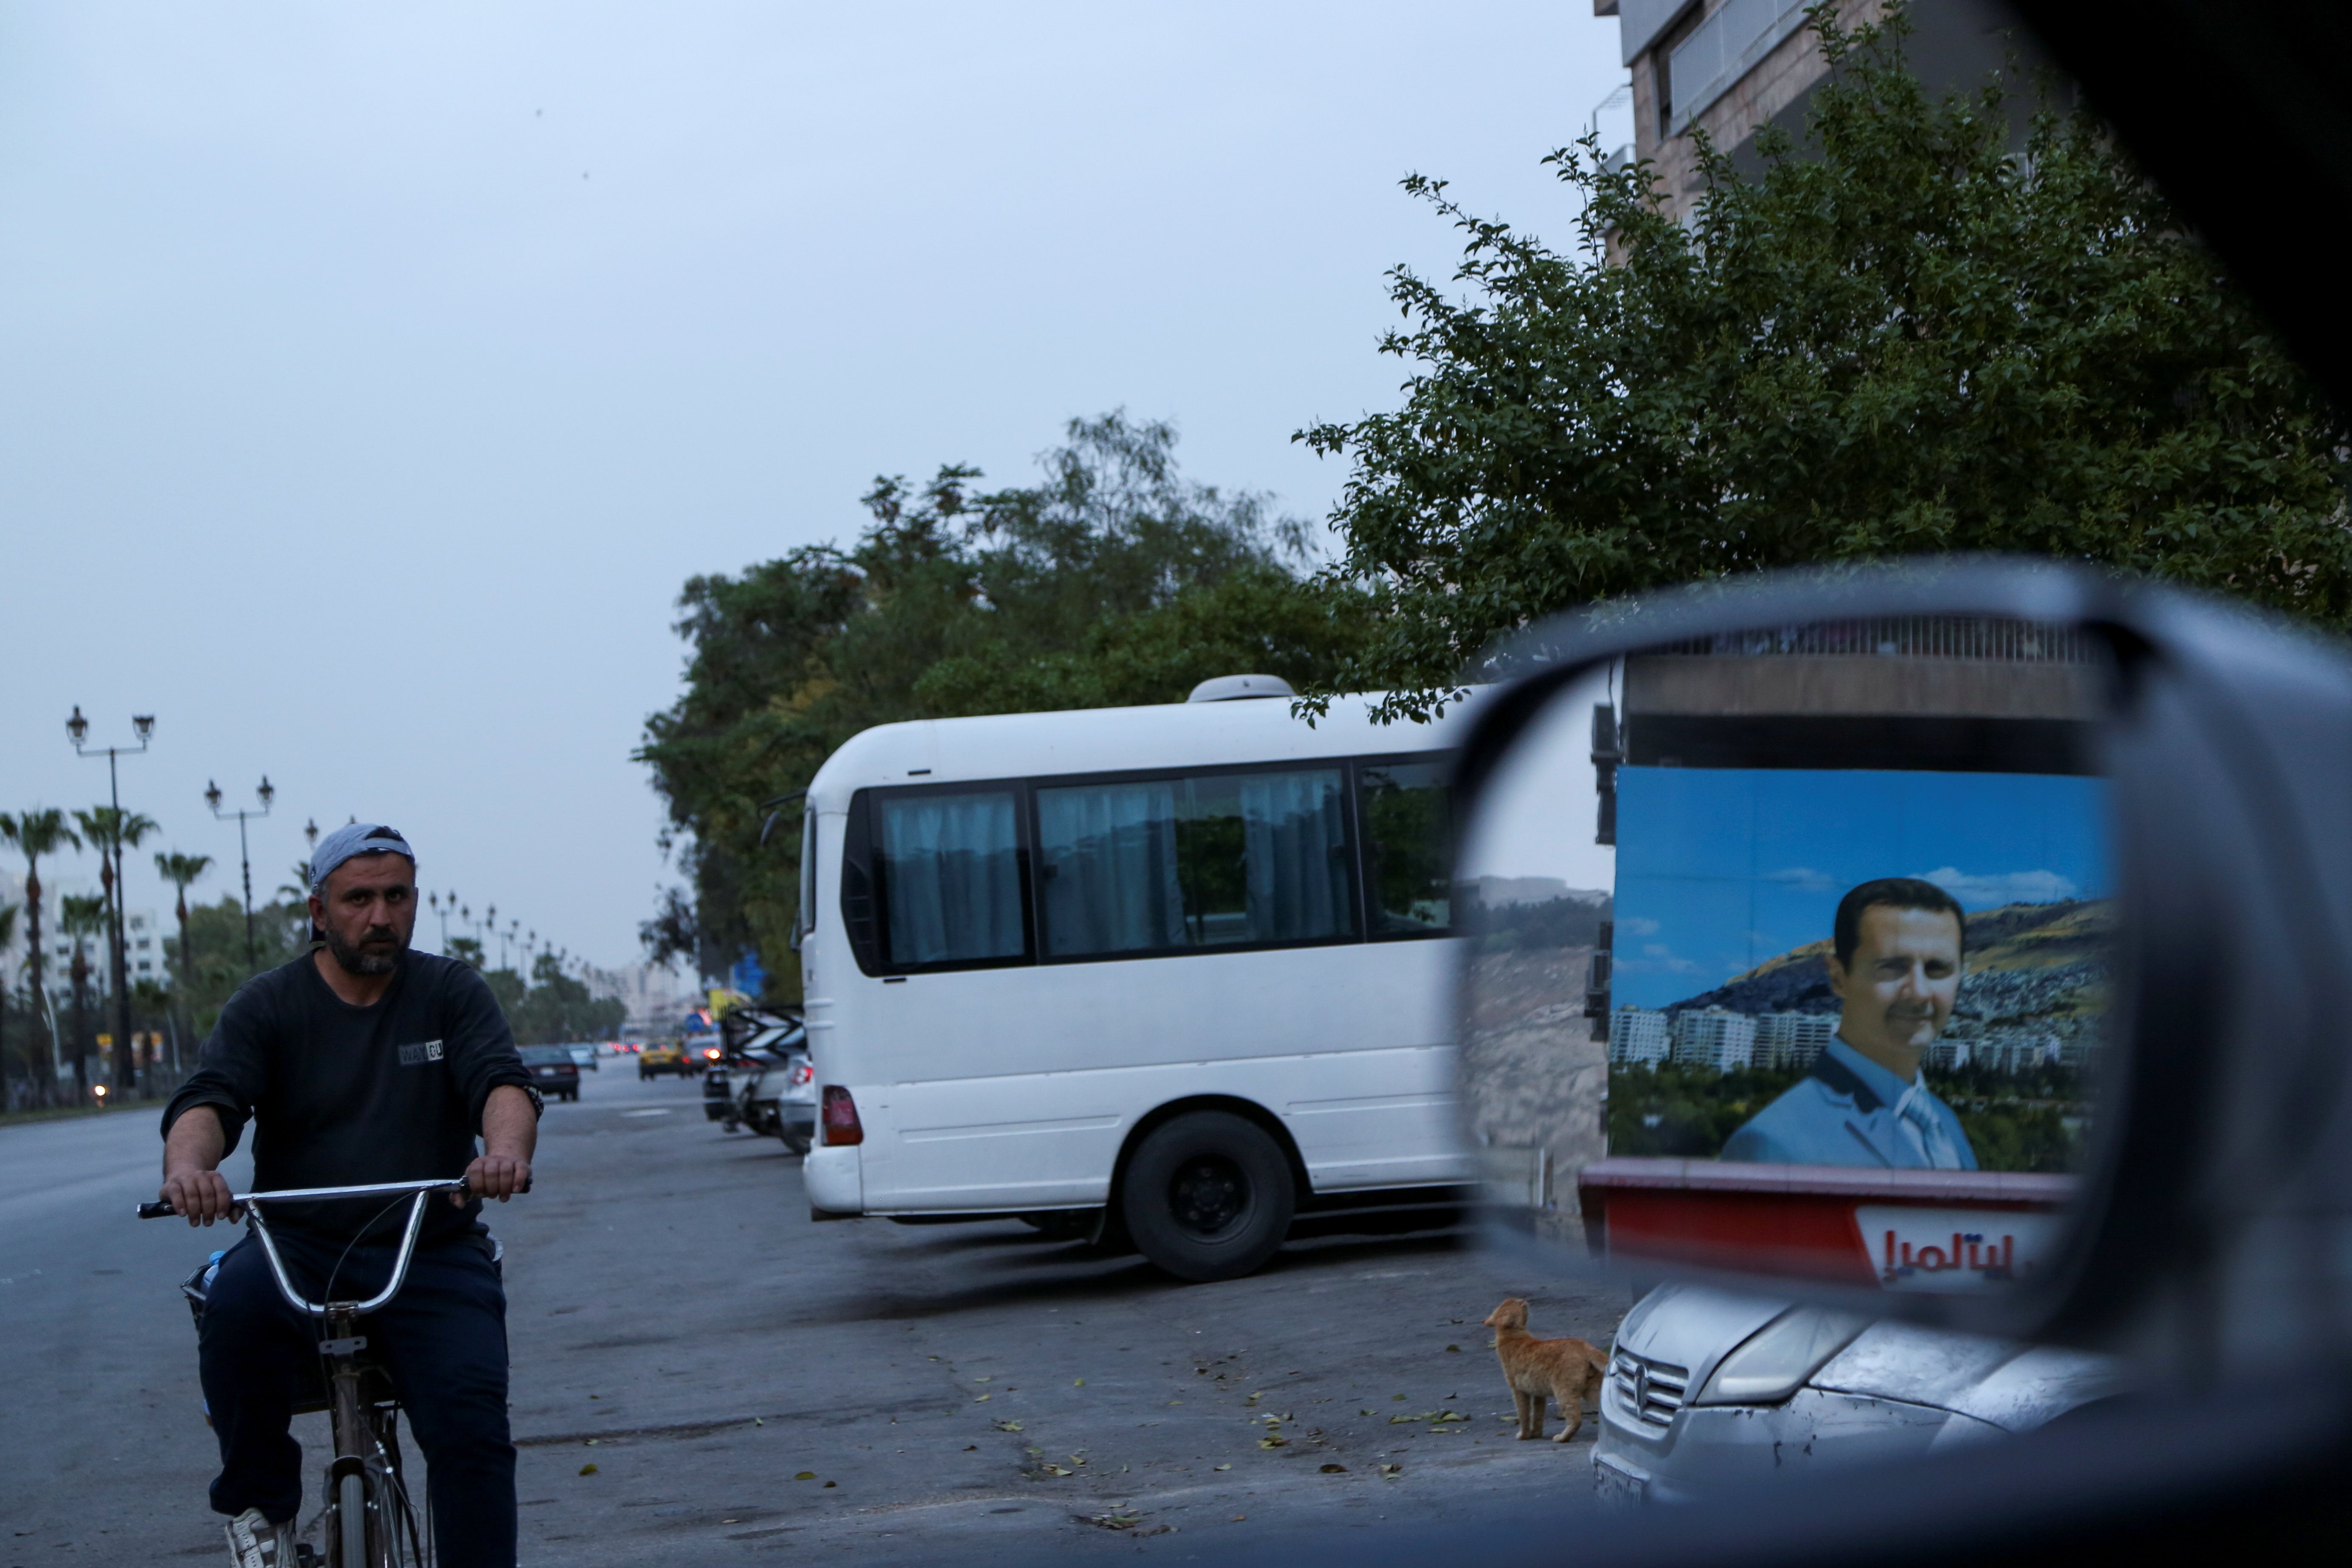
(1927, 939)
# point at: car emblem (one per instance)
(1641, 1386)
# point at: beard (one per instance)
(377, 952)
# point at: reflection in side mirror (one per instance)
(1790, 948)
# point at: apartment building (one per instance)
(1715, 1038)
(1792, 1042)
(1639, 1037)
(653, 996)
(1725, 67)
(145, 936)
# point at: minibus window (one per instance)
(1215, 862)
(1408, 831)
(951, 878)
(1108, 853)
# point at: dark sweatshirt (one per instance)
(341, 1095)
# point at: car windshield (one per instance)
(546, 1056)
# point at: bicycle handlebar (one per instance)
(322, 1194)
(417, 1192)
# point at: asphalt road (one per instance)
(703, 1376)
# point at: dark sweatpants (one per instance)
(445, 1340)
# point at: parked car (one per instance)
(671, 1058)
(1707, 1390)
(766, 1081)
(552, 1070)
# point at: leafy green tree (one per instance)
(508, 987)
(556, 1008)
(1900, 337)
(34, 834)
(214, 966)
(1113, 580)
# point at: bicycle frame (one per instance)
(361, 1529)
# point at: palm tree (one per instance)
(7, 935)
(180, 870)
(81, 917)
(38, 832)
(113, 830)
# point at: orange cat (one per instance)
(1569, 1371)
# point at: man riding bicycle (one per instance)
(360, 1062)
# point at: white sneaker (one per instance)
(255, 1542)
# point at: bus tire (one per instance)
(1208, 1196)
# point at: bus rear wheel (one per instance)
(1208, 1196)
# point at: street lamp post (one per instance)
(77, 728)
(244, 853)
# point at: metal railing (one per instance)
(1983, 638)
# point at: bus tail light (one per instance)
(841, 1123)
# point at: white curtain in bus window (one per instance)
(1108, 858)
(1294, 842)
(1189, 863)
(950, 873)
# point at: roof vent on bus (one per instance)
(1233, 688)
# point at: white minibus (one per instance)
(1175, 970)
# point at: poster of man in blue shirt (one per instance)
(1899, 950)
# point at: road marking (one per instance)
(657, 1111)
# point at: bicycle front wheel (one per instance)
(351, 1523)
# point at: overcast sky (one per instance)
(371, 378)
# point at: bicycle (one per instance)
(368, 1518)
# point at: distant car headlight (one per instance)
(1775, 1359)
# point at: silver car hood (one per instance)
(2006, 1385)
(2011, 1386)
(1694, 1326)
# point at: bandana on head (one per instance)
(351, 839)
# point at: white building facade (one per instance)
(654, 996)
(146, 940)
(1792, 1042)
(1715, 1038)
(1639, 1037)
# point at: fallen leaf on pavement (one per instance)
(1116, 1519)
(587, 1470)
